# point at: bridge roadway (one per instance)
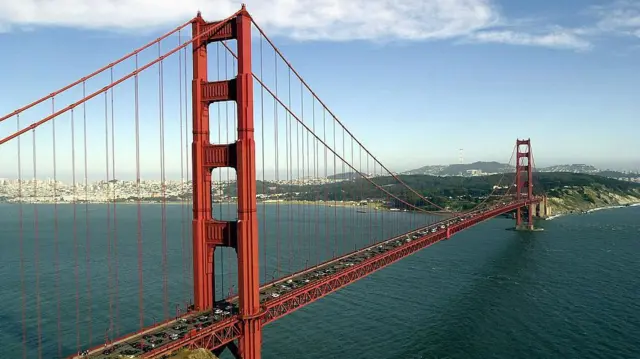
(215, 328)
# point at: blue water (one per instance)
(571, 291)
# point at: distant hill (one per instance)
(574, 168)
(471, 169)
(486, 168)
(344, 176)
(427, 170)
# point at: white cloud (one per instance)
(334, 20)
(621, 17)
(383, 19)
(300, 19)
(557, 38)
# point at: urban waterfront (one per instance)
(570, 291)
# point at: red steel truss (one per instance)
(212, 338)
(310, 293)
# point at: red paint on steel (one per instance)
(248, 257)
(202, 276)
(524, 163)
(212, 337)
(246, 242)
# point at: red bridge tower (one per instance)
(209, 233)
(524, 189)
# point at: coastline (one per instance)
(558, 211)
(587, 199)
(596, 209)
(371, 206)
(565, 201)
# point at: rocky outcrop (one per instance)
(193, 354)
(577, 199)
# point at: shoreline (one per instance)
(597, 209)
(375, 207)
(345, 204)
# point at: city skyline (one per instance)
(476, 75)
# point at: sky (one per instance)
(414, 81)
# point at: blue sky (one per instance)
(414, 82)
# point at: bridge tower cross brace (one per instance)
(209, 233)
(524, 164)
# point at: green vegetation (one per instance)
(556, 180)
(574, 192)
(616, 174)
(461, 169)
(456, 193)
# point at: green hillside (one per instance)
(459, 193)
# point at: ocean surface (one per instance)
(571, 291)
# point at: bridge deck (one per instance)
(215, 328)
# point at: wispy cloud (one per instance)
(299, 19)
(304, 20)
(377, 19)
(557, 38)
(619, 17)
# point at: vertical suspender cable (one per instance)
(139, 229)
(165, 285)
(335, 198)
(304, 212)
(289, 158)
(56, 229)
(22, 259)
(360, 219)
(219, 120)
(264, 189)
(75, 228)
(298, 155)
(36, 238)
(369, 234)
(186, 154)
(234, 116)
(182, 179)
(326, 177)
(115, 218)
(347, 212)
(108, 216)
(354, 220)
(86, 217)
(316, 234)
(277, 168)
(228, 207)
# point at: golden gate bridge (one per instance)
(251, 114)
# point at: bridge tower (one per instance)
(209, 233)
(524, 186)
